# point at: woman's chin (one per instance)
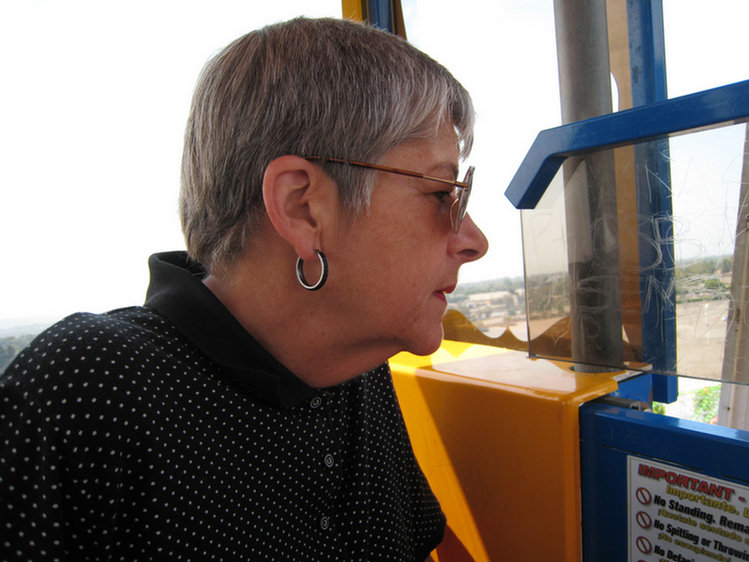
(428, 345)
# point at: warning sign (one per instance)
(683, 516)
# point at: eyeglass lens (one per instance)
(458, 210)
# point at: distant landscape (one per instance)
(503, 301)
(496, 304)
(10, 346)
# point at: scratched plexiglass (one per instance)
(635, 258)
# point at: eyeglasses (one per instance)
(462, 188)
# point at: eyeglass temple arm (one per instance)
(388, 169)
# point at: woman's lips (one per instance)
(442, 293)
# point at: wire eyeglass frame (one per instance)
(462, 188)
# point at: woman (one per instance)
(246, 412)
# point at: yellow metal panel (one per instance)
(352, 10)
(497, 435)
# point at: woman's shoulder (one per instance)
(82, 341)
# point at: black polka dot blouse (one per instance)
(166, 432)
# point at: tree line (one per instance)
(11, 346)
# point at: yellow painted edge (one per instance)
(591, 385)
(352, 10)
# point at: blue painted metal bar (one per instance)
(647, 51)
(609, 434)
(647, 54)
(638, 388)
(552, 147)
(380, 14)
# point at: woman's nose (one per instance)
(471, 244)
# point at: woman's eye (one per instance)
(444, 196)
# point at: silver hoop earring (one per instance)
(323, 272)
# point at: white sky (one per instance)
(95, 96)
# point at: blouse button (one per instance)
(324, 523)
(315, 403)
(329, 460)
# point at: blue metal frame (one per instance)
(638, 388)
(647, 51)
(380, 14)
(726, 104)
(610, 433)
(647, 54)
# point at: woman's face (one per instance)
(392, 267)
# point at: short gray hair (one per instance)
(306, 87)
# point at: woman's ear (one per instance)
(300, 200)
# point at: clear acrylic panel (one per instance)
(612, 283)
